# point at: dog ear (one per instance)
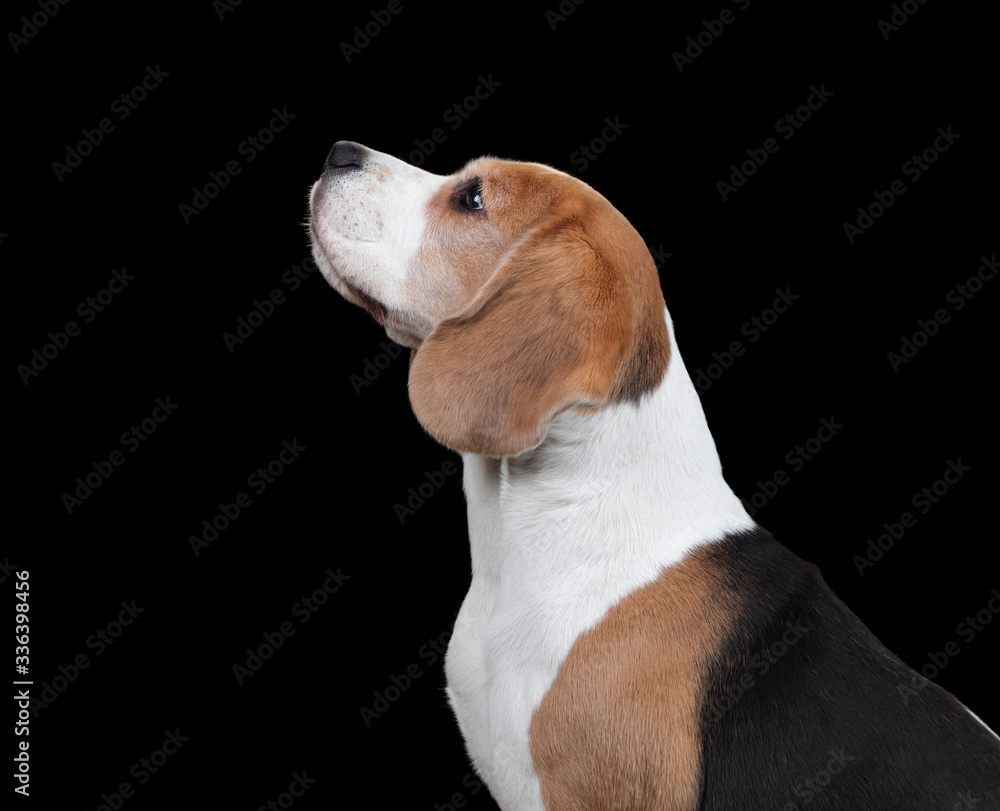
(558, 325)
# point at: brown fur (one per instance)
(564, 310)
(618, 728)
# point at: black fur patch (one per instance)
(806, 709)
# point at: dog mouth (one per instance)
(394, 324)
(347, 289)
(375, 308)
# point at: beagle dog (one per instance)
(631, 639)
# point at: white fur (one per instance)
(559, 535)
(367, 226)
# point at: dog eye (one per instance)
(471, 197)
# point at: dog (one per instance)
(631, 639)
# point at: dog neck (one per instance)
(634, 486)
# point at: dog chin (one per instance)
(338, 282)
(354, 294)
(390, 321)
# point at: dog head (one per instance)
(521, 291)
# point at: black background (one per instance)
(296, 376)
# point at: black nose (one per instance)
(344, 156)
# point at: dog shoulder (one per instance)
(801, 691)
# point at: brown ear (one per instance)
(558, 325)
